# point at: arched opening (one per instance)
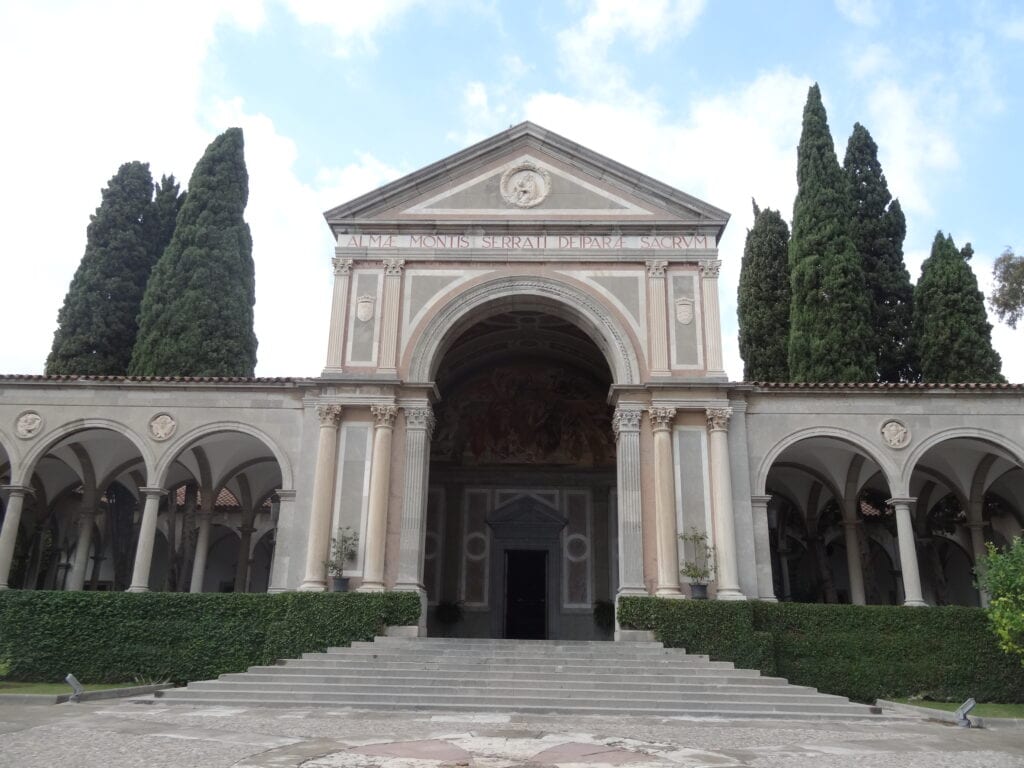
(520, 516)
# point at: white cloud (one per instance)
(870, 60)
(585, 48)
(353, 25)
(1014, 29)
(864, 13)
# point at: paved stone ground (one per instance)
(124, 733)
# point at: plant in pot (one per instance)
(701, 568)
(344, 547)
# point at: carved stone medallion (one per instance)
(364, 308)
(895, 434)
(28, 424)
(162, 427)
(525, 185)
(684, 311)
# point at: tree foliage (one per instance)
(97, 325)
(831, 336)
(952, 335)
(764, 299)
(197, 313)
(1001, 574)
(1008, 287)
(878, 227)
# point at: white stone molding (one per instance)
(162, 427)
(578, 307)
(342, 266)
(762, 548)
(895, 434)
(712, 316)
(147, 535)
(661, 418)
(710, 269)
(329, 414)
(384, 415)
(28, 425)
(9, 532)
(656, 268)
(324, 473)
(664, 502)
(626, 424)
(912, 595)
(727, 568)
(393, 267)
(339, 313)
(657, 301)
(718, 419)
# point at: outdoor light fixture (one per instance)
(961, 713)
(76, 687)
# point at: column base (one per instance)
(915, 604)
(276, 590)
(631, 592)
(634, 636)
(371, 586)
(137, 590)
(313, 586)
(768, 599)
(3, 587)
(670, 592)
(729, 594)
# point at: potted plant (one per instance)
(344, 547)
(701, 568)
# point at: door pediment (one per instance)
(526, 517)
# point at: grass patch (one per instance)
(982, 710)
(11, 686)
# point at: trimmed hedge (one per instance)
(113, 637)
(862, 652)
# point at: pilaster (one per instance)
(657, 301)
(664, 503)
(339, 314)
(389, 317)
(712, 321)
(626, 424)
(380, 478)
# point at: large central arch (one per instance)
(561, 299)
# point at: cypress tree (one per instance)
(97, 325)
(952, 335)
(197, 313)
(830, 317)
(163, 215)
(878, 227)
(763, 299)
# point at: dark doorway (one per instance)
(526, 583)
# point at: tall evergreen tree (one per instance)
(764, 298)
(878, 227)
(951, 332)
(97, 324)
(830, 337)
(163, 215)
(197, 314)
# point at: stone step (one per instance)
(426, 662)
(522, 655)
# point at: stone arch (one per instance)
(889, 471)
(557, 297)
(917, 453)
(175, 449)
(24, 469)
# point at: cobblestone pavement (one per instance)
(126, 733)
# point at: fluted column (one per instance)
(712, 322)
(656, 298)
(726, 568)
(419, 426)
(908, 552)
(86, 519)
(626, 424)
(339, 313)
(9, 532)
(854, 566)
(380, 480)
(665, 503)
(389, 315)
(202, 550)
(763, 549)
(319, 536)
(147, 535)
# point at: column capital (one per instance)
(420, 418)
(384, 415)
(662, 418)
(709, 269)
(718, 419)
(329, 414)
(656, 268)
(342, 266)
(394, 267)
(626, 420)
(151, 492)
(759, 500)
(285, 494)
(18, 490)
(897, 500)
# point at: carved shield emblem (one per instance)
(364, 308)
(684, 311)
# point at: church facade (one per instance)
(523, 407)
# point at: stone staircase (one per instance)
(525, 676)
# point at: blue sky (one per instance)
(337, 98)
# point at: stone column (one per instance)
(659, 317)
(763, 549)
(380, 479)
(626, 424)
(908, 552)
(854, 566)
(147, 535)
(726, 568)
(712, 322)
(339, 314)
(389, 313)
(665, 503)
(279, 564)
(202, 550)
(244, 554)
(977, 529)
(86, 519)
(326, 468)
(9, 532)
(419, 426)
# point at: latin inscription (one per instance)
(528, 242)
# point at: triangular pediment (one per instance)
(526, 512)
(530, 175)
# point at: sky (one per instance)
(338, 98)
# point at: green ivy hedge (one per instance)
(862, 652)
(116, 637)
